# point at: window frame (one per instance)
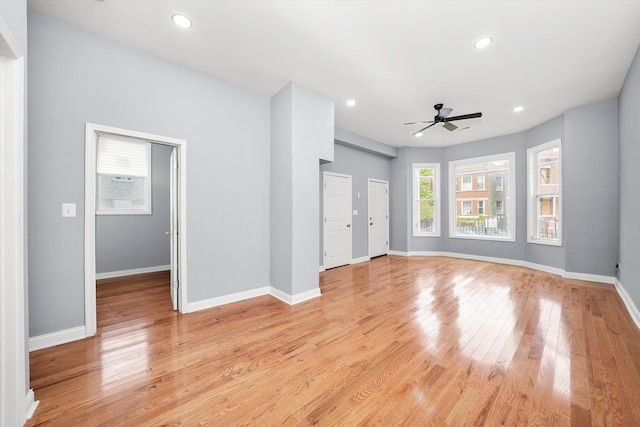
(415, 199)
(148, 209)
(533, 181)
(509, 201)
(480, 179)
(464, 187)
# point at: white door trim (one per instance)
(14, 396)
(92, 130)
(386, 183)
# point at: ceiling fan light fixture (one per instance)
(181, 21)
(518, 109)
(483, 42)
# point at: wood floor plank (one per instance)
(394, 341)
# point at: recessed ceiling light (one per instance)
(518, 109)
(181, 21)
(418, 135)
(483, 42)
(351, 102)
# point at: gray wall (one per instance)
(125, 242)
(552, 256)
(76, 77)
(503, 144)
(589, 146)
(301, 135)
(629, 230)
(590, 188)
(281, 233)
(361, 166)
(400, 201)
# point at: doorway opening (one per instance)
(177, 226)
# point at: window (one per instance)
(123, 176)
(466, 183)
(495, 216)
(544, 194)
(426, 210)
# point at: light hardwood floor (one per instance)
(394, 341)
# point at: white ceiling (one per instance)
(396, 58)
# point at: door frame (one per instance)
(386, 183)
(324, 215)
(16, 400)
(91, 137)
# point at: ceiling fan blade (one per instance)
(415, 123)
(449, 126)
(464, 116)
(424, 128)
(444, 112)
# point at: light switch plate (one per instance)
(355, 212)
(69, 210)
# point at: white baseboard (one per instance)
(517, 262)
(628, 302)
(226, 299)
(590, 277)
(322, 269)
(56, 338)
(294, 299)
(359, 260)
(30, 403)
(253, 293)
(111, 274)
(399, 253)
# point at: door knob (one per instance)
(348, 225)
(370, 223)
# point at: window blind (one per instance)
(122, 156)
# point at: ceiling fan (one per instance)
(442, 116)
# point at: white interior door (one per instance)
(337, 219)
(378, 207)
(173, 219)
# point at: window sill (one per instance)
(544, 242)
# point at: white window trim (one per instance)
(510, 202)
(478, 180)
(436, 199)
(532, 206)
(148, 187)
(462, 183)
